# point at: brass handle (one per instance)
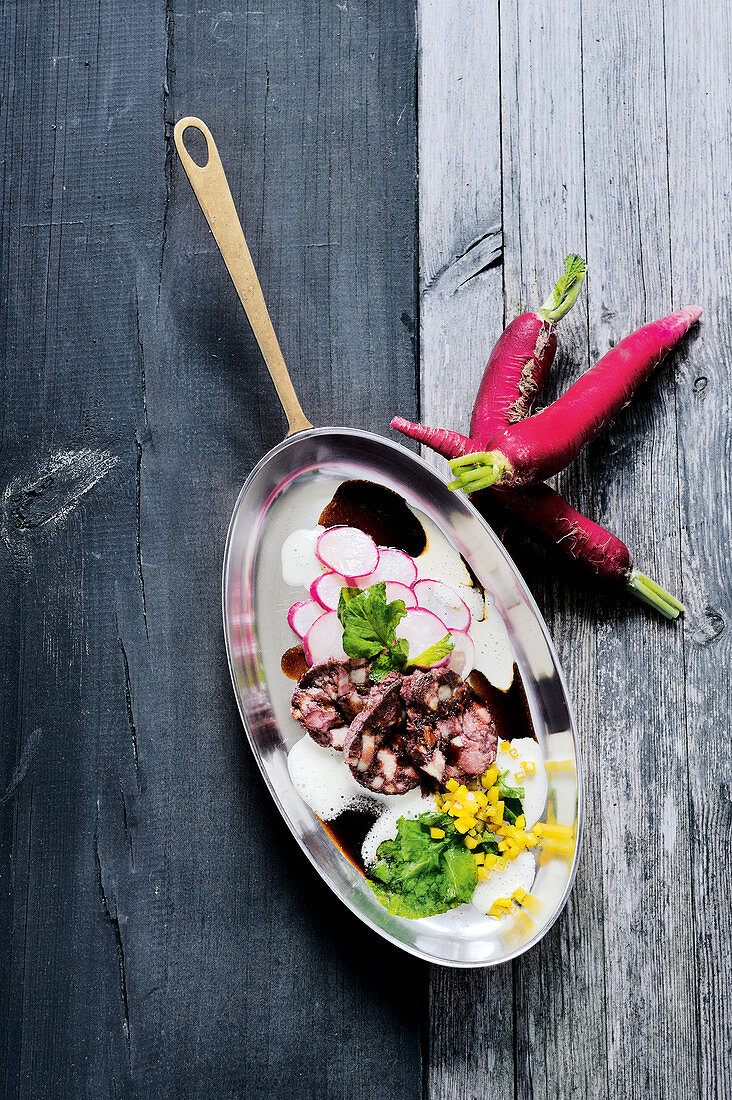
(212, 191)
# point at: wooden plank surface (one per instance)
(164, 937)
(629, 994)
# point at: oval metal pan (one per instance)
(288, 489)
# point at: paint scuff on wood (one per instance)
(41, 500)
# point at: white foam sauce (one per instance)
(321, 776)
(536, 785)
(299, 563)
(519, 872)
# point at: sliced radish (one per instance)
(395, 565)
(444, 602)
(326, 589)
(421, 629)
(348, 551)
(462, 658)
(301, 616)
(324, 639)
(395, 590)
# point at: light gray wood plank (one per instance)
(607, 1004)
(461, 314)
(560, 986)
(651, 1013)
(699, 112)
(460, 242)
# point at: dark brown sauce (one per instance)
(348, 832)
(293, 663)
(510, 709)
(378, 511)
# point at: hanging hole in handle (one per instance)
(195, 143)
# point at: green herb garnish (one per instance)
(511, 797)
(435, 653)
(416, 875)
(369, 628)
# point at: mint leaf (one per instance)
(390, 660)
(435, 653)
(369, 628)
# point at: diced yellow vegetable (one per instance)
(519, 894)
(529, 767)
(504, 746)
(437, 834)
(471, 842)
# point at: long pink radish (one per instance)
(521, 359)
(554, 519)
(587, 543)
(446, 443)
(537, 448)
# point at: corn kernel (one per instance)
(437, 834)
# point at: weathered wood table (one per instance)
(405, 192)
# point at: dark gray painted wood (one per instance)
(165, 936)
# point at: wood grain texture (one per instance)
(165, 937)
(595, 159)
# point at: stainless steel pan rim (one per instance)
(464, 504)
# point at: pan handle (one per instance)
(212, 191)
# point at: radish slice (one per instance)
(421, 629)
(348, 551)
(326, 589)
(462, 658)
(301, 616)
(444, 602)
(324, 639)
(395, 565)
(395, 590)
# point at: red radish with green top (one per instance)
(520, 361)
(541, 508)
(541, 446)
